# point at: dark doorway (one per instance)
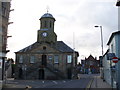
(69, 73)
(41, 74)
(44, 60)
(20, 73)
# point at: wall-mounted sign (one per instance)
(110, 56)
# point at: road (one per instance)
(82, 82)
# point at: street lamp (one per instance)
(102, 48)
(101, 38)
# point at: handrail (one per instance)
(55, 70)
(35, 66)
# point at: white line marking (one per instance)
(55, 82)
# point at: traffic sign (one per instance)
(115, 59)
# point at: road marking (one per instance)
(89, 84)
(27, 87)
(14, 82)
(55, 82)
(43, 81)
(64, 81)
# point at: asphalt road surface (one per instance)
(82, 82)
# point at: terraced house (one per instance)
(47, 58)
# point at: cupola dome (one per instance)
(47, 15)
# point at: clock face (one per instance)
(44, 34)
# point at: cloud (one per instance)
(78, 16)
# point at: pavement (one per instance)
(97, 82)
(0, 84)
(14, 85)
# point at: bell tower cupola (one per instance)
(46, 32)
(47, 22)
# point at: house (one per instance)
(47, 58)
(111, 70)
(90, 65)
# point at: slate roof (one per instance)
(59, 45)
(47, 15)
(90, 58)
(34, 45)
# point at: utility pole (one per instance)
(102, 67)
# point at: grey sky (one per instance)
(78, 16)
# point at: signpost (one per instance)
(115, 59)
(110, 56)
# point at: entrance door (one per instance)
(20, 73)
(69, 72)
(41, 74)
(44, 60)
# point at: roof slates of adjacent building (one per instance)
(60, 46)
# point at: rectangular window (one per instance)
(91, 63)
(50, 57)
(21, 59)
(56, 59)
(32, 59)
(69, 58)
(112, 48)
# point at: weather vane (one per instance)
(48, 9)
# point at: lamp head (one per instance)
(96, 26)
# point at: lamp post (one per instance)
(101, 38)
(102, 48)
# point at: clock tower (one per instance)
(46, 32)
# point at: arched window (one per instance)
(44, 48)
(45, 23)
(50, 24)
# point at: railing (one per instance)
(55, 71)
(35, 66)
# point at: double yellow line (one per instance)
(89, 84)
